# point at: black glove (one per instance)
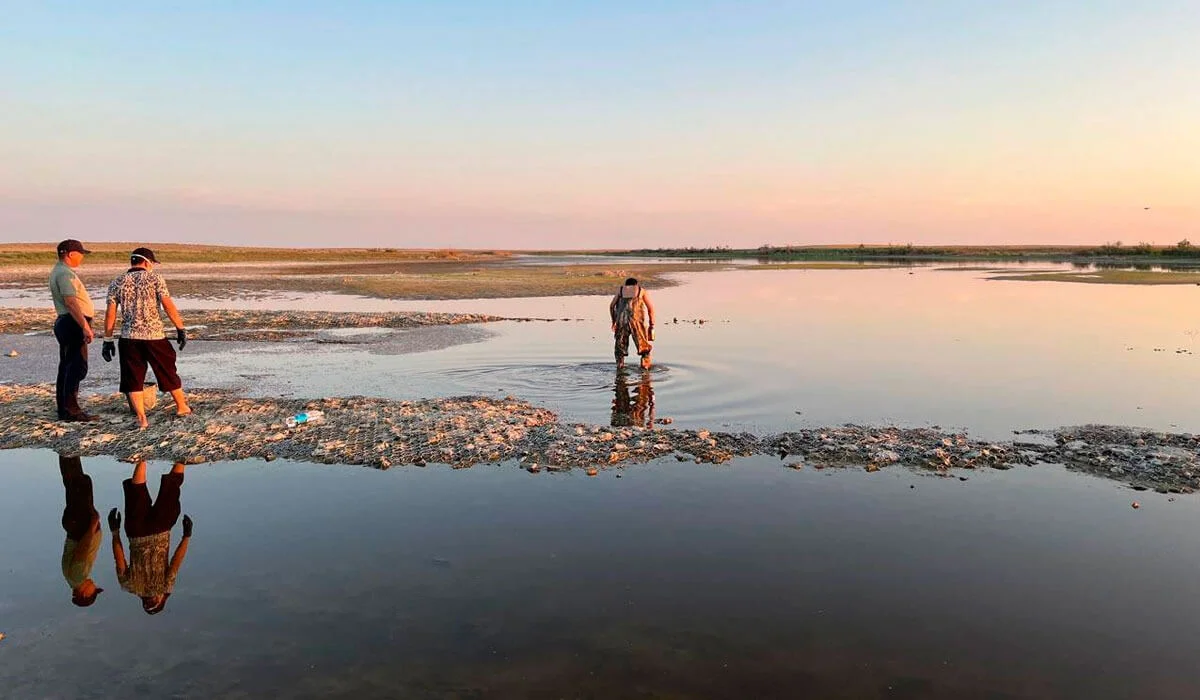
(114, 520)
(109, 351)
(187, 526)
(181, 337)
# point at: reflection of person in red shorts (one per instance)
(82, 524)
(149, 574)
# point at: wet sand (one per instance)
(232, 324)
(453, 278)
(37, 355)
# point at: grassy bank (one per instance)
(215, 271)
(1142, 277)
(174, 253)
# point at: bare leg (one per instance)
(139, 473)
(181, 404)
(138, 403)
(177, 468)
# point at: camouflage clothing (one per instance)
(631, 313)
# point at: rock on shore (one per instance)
(468, 430)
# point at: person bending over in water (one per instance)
(82, 523)
(632, 316)
(148, 574)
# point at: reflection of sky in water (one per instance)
(310, 581)
(917, 347)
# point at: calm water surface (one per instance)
(786, 348)
(678, 580)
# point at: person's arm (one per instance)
(177, 559)
(110, 319)
(118, 553)
(75, 308)
(110, 312)
(612, 312)
(114, 526)
(649, 307)
(168, 305)
(85, 542)
(181, 550)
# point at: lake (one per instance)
(787, 348)
(675, 579)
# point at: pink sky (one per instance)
(727, 124)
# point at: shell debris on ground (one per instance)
(464, 431)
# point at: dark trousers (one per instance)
(72, 364)
(80, 513)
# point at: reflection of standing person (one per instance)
(82, 524)
(72, 329)
(149, 574)
(138, 293)
(632, 316)
(637, 409)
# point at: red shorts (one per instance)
(136, 355)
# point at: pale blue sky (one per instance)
(532, 124)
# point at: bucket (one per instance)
(150, 395)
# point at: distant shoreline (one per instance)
(1181, 253)
(37, 253)
(449, 274)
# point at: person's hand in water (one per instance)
(187, 526)
(114, 520)
(109, 350)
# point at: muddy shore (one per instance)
(232, 324)
(470, 430)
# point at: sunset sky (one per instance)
(600, 124)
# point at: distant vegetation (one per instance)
(1182, 250)
(43, 253)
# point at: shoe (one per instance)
(81, 417)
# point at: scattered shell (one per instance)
(467, 430)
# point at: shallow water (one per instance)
(785, 348)
(678, 580)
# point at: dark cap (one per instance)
(144, 253)
(85, 601)
(70, 245)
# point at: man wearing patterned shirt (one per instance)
(138, 293)
(151, 569)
